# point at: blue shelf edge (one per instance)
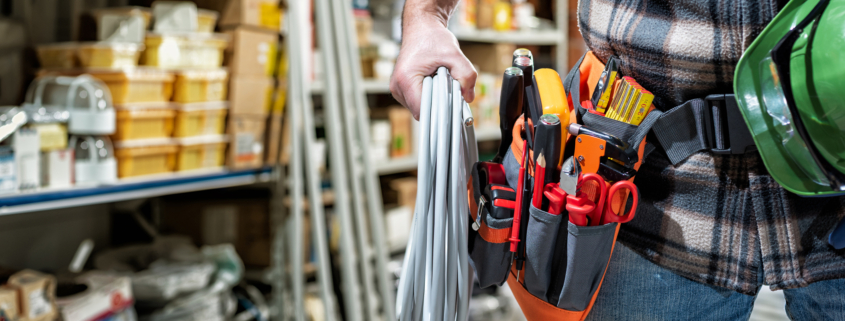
(105, 190)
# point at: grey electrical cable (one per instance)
(435, 279)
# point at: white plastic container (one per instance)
(94, 161)
(87, 99)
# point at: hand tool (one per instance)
(517, 215)
(601, 95)
(547, 139)
(604, 205)
(553, 100)
(524, 207)
(569, 175)
(617, 199)
(595, 146)
(510, 107)
(524, 60)
(556, 196)
(539, 178)
(585, 206)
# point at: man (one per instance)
(711, 230)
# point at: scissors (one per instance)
(585, 210)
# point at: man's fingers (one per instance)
(407, 91)
(462, 70)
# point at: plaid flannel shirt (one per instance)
(719, 220)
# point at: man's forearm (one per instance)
(424, 11)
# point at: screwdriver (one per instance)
(510, 108)
(547, 137)
(524, 60)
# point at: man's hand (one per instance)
(426, 45)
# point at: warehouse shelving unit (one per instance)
(129, 189)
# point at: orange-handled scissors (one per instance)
(617, 199)
(600, 205)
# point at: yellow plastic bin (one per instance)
(206, 20)
(109, 55)
(192, 86)
(145, 157)
(57, 55)
(197, 50)
(200, 119)
(142, 85)
(143, 121)
(201, 152)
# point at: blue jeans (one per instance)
(636, 289)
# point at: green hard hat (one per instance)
(790, 89)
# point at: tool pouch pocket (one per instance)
(489, 246)
(540, 249)
(588, 250)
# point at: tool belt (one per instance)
(564, 263)
(712, 124)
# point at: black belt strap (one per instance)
(714, 124)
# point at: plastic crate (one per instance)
(196, 50)
(200, 86)
(109, 55)
(145, 157)
(144, 121)
(57, 55)
(206, 20)
(201, 152)
(142, 85)
(200, 119)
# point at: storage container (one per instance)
(143, 12)
(193, 86)
(194, 50)
(200, 119)
(94, 161)
(206, 20)
(201, 152)
(145, 157)
(86, 98)
(53, 136)
(109, 55)
(57, 55)
(140, 85)
(142, 121)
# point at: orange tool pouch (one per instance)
(565, 264)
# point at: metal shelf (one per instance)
(127, 190)
(396, 165)
(371, 86)
(542, 37)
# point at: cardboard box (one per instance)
(9, 304)
(260, 13)
(57, 168)
(106, 294)
(37, 295)
(364, 29)
(490, 58)
(239, 218)
(272, 139)
(246, 146)
(250, 96)
(252, 51)
(401, 133)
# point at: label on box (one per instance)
(219, 224)
(244, 147)
(38, 304)
(8, 176)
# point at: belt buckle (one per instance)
(729, 124)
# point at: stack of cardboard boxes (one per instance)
(252, 57)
